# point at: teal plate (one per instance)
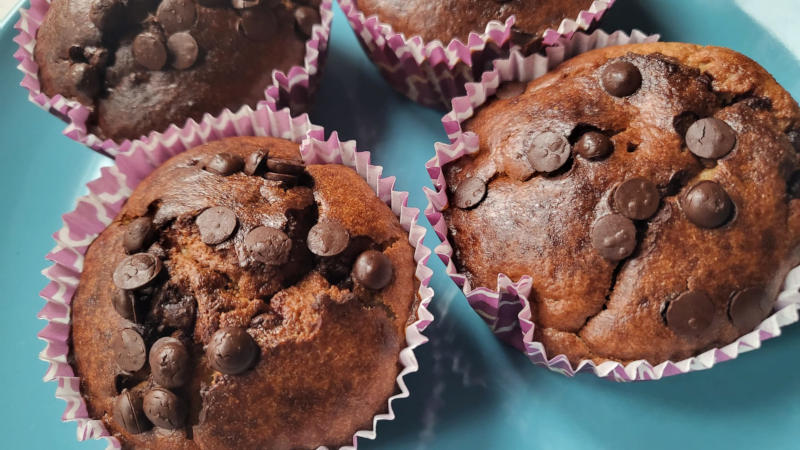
(471, 391)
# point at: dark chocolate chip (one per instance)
(258, 24)
(243, 4)
(169, 362)
(637, 198)
(124, 303)
(510, 89)
(469, 193)
(548, 152)
(176, 15)
(268, 245)
(710, 138)
(614, 237)
(749, 307)
(594, 145)
(373, 269)
(149, 51)
(794, 139)
(707, 205)
(164, 408)
(137, 271)
(129, 349)
(216, 224)
(621, 78)
(285, 166)
(224, 164)
(129, 413)
(255, 162)
(183, 49)
(290, 180)
(139, 234)
(305, 18)
(793, 184)
(231, 350)
(106, 14)
(327, 238)
(690, 313)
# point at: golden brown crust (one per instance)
(448, 19)
(583, 305)
(328, 348)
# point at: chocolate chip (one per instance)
(594, 145)
(129, 349)
(637, 198)
(129, 413)
(176, 15)
(164, 409)
(216, 224)
(327, 238)
(231, 351)
(690, 313)
(373, 269)
(794, 139)
(289, 180)
(224, 164)
(548, 151)
(749, 307)
(268, 245)
(621, 78)
(707, 205)
(469, 193)
(305, 18)
(614, 237)
(124, 303)
(106, 14)
(136, 271)
(710, 138)
(85, 78)
(254, 164)
(183, 49)
(285, 166)
(242, 4)
(139, 234)
(149, 51)
(169, 362)
(257, 24)
(510, 89)
(793, 185)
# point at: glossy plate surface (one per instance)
(472, 391)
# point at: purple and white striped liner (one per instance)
(506, 308)
(432, 73)
(293, 89)
(107, 194)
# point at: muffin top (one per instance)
(455, 19)
(242, 300)
(648, 190)
(140, 66)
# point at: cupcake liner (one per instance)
(293, 89)
(506, 308)
(432, 73)
(107, 194)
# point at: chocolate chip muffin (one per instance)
(243, 300)
(650, 192)
(140, 66)
(446, 20)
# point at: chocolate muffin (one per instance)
(139, 66)
(650, 192)
(446, 20)
(243, 300)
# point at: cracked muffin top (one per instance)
(650, 192)
(455, 19)
(243, 300)
(140, 66)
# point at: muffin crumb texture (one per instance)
(139, 66)
(650, 192)
(242, 299)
